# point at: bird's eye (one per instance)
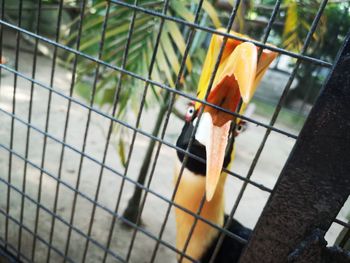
(189, 113)
(240, 127)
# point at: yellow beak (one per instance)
(237, 77)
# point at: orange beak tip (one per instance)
(215, 149)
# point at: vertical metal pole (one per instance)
(140, 110)
(47, 121)
(35, 56)
(87, 125)
(315, 182)
(18, 37)
(1, 38)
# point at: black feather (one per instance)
(197, 149)
(231, 249)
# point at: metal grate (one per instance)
(108, 253)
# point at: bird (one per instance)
(240, 70)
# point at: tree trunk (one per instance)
(132, 210)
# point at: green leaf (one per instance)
(83, 89)
(170, 53)
(122, 28)
(122, 102)
(92, 21)
(121, 151)
(181, 10)
(156, 74)
(171, 50)
(164, 65)
(177, 37)
(210, 10)
(107, 96)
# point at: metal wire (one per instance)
(111, 169)
(131, 148)
(75, 63)
(260, 186)
(14, 220)
(139, 130)
(28, 131)
(230, 218)
(53, 70)
(1, 36)
(211, 81)
(115, 100)
(342, 223)
(224, 34)
(7, 254)
(171, 92)
(187, 153)
(279, 106)
(183, 94)
(72, 227)
(126, 177)
(87, 125)
(168, 112)
(274, 117)
(147, 190)
(12, 120)
(97, 204)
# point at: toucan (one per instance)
(240, 70)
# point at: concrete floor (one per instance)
(269, 166)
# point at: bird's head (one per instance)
(238, 75)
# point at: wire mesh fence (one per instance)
(63, 186)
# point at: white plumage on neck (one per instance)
(203, 133)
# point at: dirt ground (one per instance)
(269, 166)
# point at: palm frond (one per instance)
(141, 47)
(298, 24)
